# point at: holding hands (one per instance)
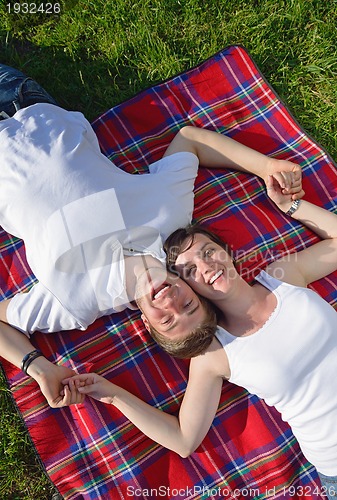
(76, 387)
(285, 186)
(50, 382)
(283, 181)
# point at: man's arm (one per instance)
(216, 150)
(38, 310)
(14, 346)
(3, 310)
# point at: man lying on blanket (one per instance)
(92, 231)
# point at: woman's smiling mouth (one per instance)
(215, 277)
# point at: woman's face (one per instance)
(207, 268)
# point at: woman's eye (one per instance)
(189, 303)
(166, 321)
(209, 252)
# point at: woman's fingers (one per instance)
(71, 393)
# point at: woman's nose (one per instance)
(204, 268)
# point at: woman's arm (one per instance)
(318, 260)
(182, 434)
(216, 150)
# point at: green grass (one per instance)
(97, 53)
(20, 474)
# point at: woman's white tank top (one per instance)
(291, 363)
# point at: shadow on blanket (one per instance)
(92, 451)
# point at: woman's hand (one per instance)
(89, 384)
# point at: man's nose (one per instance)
(172, 300)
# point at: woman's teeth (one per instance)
(215, 277)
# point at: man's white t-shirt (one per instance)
(78, 214)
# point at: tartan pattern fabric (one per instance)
(91, 451)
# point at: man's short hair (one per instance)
(194, 343)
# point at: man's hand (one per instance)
(14, 346)
(288, 175)
(49, 377)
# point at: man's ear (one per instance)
(146, 322)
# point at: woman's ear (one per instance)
(146, 322)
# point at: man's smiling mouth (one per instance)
(160, 291)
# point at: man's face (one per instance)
(168, 303)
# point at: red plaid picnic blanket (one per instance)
(91, 451)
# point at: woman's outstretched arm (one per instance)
(182, 434)
(317, 260)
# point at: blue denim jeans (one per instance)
(19, 91)
(329, 486)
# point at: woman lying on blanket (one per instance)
(276, 338)
(82, 219)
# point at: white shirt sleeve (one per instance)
(39, 310)
(184, 161)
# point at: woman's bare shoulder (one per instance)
(213, 361)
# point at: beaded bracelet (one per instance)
(29, 358)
